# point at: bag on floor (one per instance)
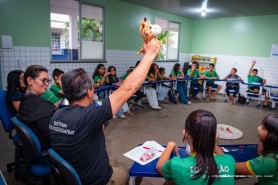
(241, 99)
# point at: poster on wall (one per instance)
(274, 50)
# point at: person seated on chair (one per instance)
(139, 94)
(195, 86)
(154, 73)
(100, 78)
(34, 111)
(55, 95)
(232, 86)
(56, 88)
(150, 89)
(253, 78)
(205, 162)
(182, 89)
(112, 78)
(15, 90)
(170, 93)
(265, 166)
(76, 131)
(212, 75)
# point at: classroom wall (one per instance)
(240, 36)
(29, 24)
(234, 41)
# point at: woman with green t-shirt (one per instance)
(100, 78)
(265, 166)
(202, 166)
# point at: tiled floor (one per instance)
(162, 126)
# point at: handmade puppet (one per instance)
(148, 32)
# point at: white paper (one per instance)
(136, 153)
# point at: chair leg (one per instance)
(10, 166)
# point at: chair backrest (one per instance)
(61, 168)
(5, 114)
(31, 146)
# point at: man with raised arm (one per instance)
(253, 78)
(76, 131)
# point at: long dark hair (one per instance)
(270, 123)
(13, 81)
(111, 77)
(152, 70)
(96, 70)
(176, 68)
(201, 126)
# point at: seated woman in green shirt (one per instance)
(100, 78)
(207, 164)
(265, 166)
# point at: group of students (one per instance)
(76, 131)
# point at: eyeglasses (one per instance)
(45, 81)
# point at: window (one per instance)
(77, 31)
(170, 39)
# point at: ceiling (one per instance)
(215, 8)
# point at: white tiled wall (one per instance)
(21, 57)
(267, 67)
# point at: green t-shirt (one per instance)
(178, 74)
(265, 167)
(98, 78)
(181, 170)
(254, 79)
(196, 73)
(56, 89)
(50, 96)
(210, 75)
(124, 76)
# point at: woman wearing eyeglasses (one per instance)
(34, 111)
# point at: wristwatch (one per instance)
(98, 84)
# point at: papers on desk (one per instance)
(146, 152)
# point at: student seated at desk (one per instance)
(182, 89)
(138, 93)
(15, 90)
(207, 164)
(151, 92)
(265, 166)
(55, 94)
(34, 111)
(154, 73)
(56, 88)
(195, 86)
(253, 78)
(100, 78)
(112, 78)
(211, 74)
(231, 85)
(170, 93)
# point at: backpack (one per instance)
(241, 99)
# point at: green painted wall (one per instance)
(244, 36)
(27, 21)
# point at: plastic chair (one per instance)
(273, 97)
(251, 95)
(63, 172)
(5, 117)
(30, 153)
(2, 179)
